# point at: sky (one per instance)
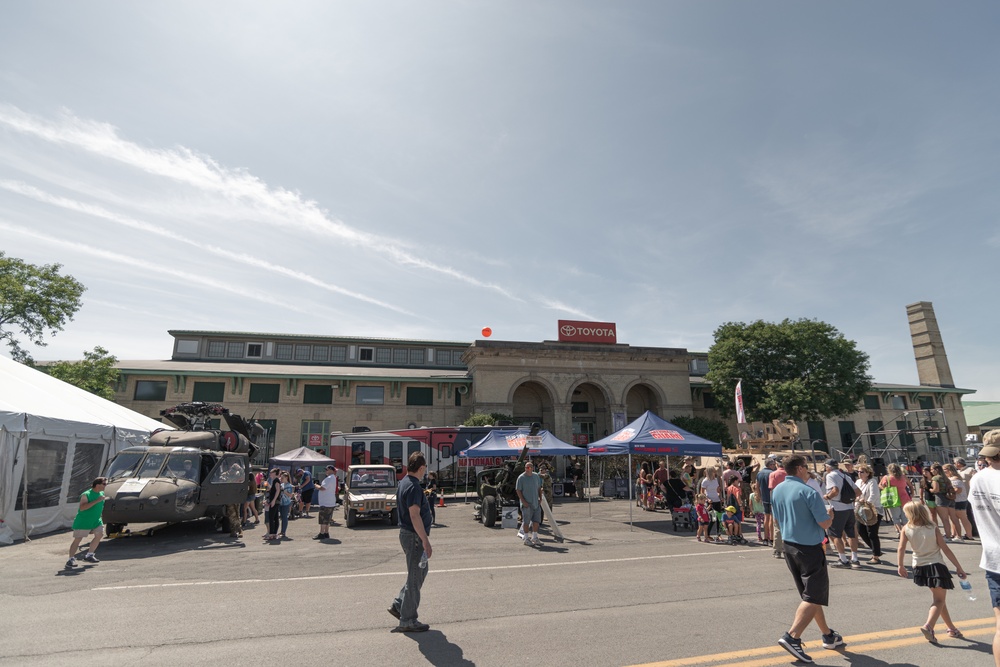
(424, 170)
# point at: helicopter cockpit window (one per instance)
(231, 471)
(124, 464)
(183, 465)
(151, 466)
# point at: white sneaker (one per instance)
(520, 534)
(528, 542)
(535, 541)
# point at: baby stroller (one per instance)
(683, 518)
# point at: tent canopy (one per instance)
(510, 443)
(302, 457)
(650, 434)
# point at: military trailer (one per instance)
(370, 493)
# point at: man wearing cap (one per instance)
(984, 497)
(764, 493)
(802, 517)
(306, 488)
(840, 494)
(327, 498)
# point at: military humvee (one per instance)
(370, 493)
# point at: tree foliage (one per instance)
(34, 300)
(96, 373)
(801, 370)
(710, 429)
(483, 419)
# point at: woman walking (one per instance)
(870, 492)
(929, 570)
(903, 489)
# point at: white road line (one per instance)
(403, 574)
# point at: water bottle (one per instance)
(967, 587)
(423, 560)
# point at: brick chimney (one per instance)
(928, 348)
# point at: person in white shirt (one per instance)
(844, 523)
(327, 499)
(984, 496)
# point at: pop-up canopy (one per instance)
(650, 434)
(510, 443)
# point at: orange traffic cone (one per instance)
(441, 501)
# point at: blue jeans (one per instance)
(409, 595)
(284, 517)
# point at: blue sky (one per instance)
(423, 170)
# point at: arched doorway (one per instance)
(589, 411)
(639, 399)
(532, 402)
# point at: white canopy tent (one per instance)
(54, 440)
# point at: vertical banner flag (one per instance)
(741, 418)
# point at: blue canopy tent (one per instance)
(504, 442)
(650, 434)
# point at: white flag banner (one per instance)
(741, 417)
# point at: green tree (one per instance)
(34, 300)
(711, 429)
(96, 373)
(483, 419)
(802, 370)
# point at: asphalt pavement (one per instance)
(609, 594)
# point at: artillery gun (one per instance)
(497, 488)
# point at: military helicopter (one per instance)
(182, 475)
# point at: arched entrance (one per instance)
(532, 402)
(639, 399)
(589, 411)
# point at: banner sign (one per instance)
(741, 418)
(572, 331)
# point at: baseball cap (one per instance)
(731, 509)
(990, 451)
(832, 463)
(331, 467)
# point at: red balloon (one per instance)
(487, 332)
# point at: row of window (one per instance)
(313, 394)
(220, 349)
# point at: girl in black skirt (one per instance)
(929, 550)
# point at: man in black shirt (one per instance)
(414, 536)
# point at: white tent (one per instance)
(54, 440)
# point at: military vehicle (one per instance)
(182, 475)
(370, 493)
(496, 489)
(779, 439)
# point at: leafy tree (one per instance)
(711, 429)
(96, 373)
(34, 300)
(802, 370)
(483, 419)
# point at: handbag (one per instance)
(866, 513)
(889, 496)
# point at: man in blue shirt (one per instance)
(306, 488)
(764, 492)
(414, 536)
(802, 517)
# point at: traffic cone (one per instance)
(441, 501)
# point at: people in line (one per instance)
(757, 507)
(927, 491)
(327, 499)
(273, 505)
(929, 550)
(904, 490)
(711, 486)
(306, 487)
(961, 523)
(868, 491)
(764, 491)
(944, 497)
(287, 496)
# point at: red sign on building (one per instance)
(571, 331)
(315, 439)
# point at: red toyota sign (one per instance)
(571, 331)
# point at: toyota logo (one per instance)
(567, 330)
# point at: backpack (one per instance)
(847, 492)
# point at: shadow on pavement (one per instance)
(861, 660)
(170, 539)
(439, 651)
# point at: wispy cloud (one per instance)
(143, 266)
(277, 206)
(127, 221)
(552, 304)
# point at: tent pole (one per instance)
(590, 496)
(24, 496)
(466, 482)
(631, 489)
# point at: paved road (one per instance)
(608, 595)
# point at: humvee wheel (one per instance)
(115, 528)
(393, 518)
(352, 518)
(489, 511)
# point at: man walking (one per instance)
(984, 496)
(802, 517)
(414, 536)
(764, 492)
(840, 493)
(529, 490)
(88, 521)
(327, 498)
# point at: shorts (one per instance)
(807, 563)
(843, 524)
(767, 508)
(326, 515)
(993, 581)
(897, 516)
(961, 505)
(531, 514)
(942, 501)
(83, 532)
(307, 497)
(930, 504)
